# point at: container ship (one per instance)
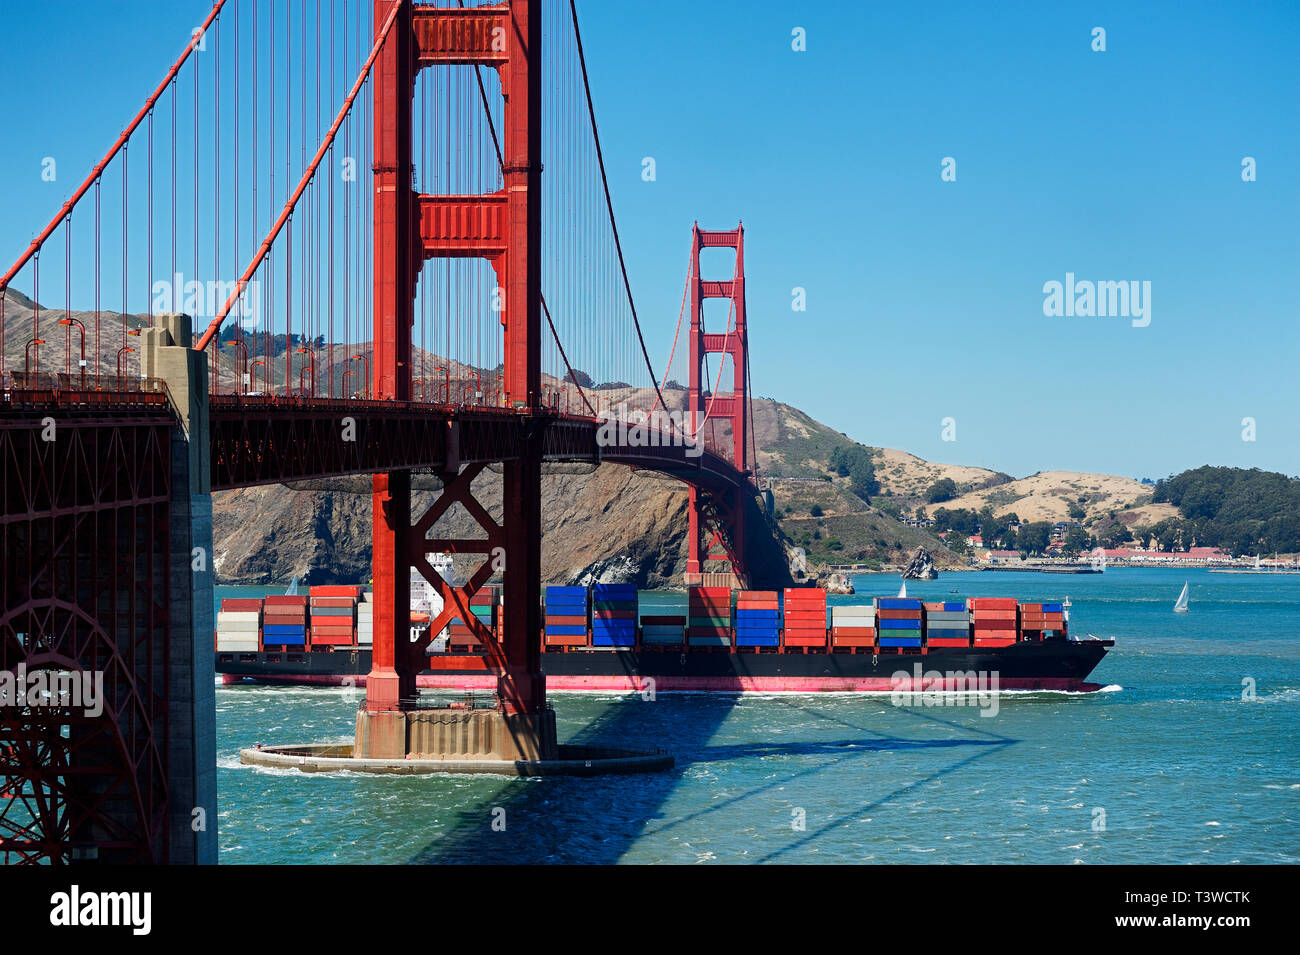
(596, 638)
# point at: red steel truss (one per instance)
(84, 545)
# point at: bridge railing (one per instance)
(24, 389)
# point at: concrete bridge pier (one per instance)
(167, 354)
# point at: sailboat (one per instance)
(293, 587)
(1181, 605)
(902, 591)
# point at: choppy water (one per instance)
(1183, 769)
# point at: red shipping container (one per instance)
(1031, 608)
(843, 641)
(286, 600)
(332, 602)
(993, 603)
(572, 640)
(331, 640)
(948, 641)
(804, 600)
(567, 621)
(242, 604)
(335, 590)
(932, 606)
(994, 641)
(995, 626)
(797, 640)
(710, 591)
(854, 631)
(757, 605)
(699, 609)
(898, 614)
(993, 615)
(284, 619)
(663, 620)
(709, 631)
(758, 594)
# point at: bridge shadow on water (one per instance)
(597, 820)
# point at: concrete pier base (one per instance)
(568, 761)
(452, 733)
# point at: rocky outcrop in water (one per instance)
(920, 567)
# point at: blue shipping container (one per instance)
(898, 603)
(898, 624)
(566, 630)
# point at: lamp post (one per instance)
(243, 361)
(363, 358)
(265, 368)
(27, 355)
(76, 322)
(312, 356)
(345, 379)
(120, 352)
(478, 387)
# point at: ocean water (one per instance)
(1190, 755)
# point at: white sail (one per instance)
(1181, 605)
(902, 591)
(293, 587)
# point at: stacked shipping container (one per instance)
(284, 621)
(483, 606)
(758, 618)
(613, 615)
(947, 624)
(566, 617)
(805, 617)
(854, 626)
(898, 622)
(993, 621)
(366, 620)
(333, 615)
(663, 630)
(710, 616)
(1041, 621)
(239, 625)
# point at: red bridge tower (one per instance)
(717, 521)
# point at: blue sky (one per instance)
(924, 297)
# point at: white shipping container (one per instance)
(237, 646)
(238, 626)
(854, 611)
(253, 615)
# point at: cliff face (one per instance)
(607, 524)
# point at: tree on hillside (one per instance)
(1077, 513)
(1034, 537)
(1076, 542)
(854, 462)
(944, 489)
